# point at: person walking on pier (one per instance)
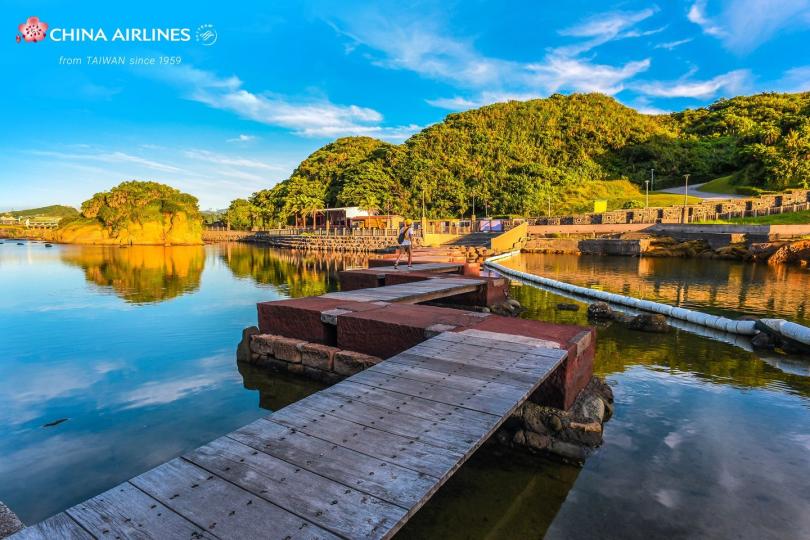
(405, 241)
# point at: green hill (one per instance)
(516, 156)
(56, 210)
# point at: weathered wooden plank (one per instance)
(514, 346)
(451, 396)
(59, 526)
(367, 474)
(477, 387)
(466, 369)
(127, 512)
(421, 429)
(533, 363)
(403, 451)
(221, 507)
(450, 367)
(416, 406)
(333, 506)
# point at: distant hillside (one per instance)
(517, 156)
(55, 210)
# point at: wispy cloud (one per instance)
(731, 83)
(110, 157)
(307, 117)
(242, 138)
(421, 46)
(605, 27)
(795, 80)
(669, 45)
(743, 25)
(222, 159)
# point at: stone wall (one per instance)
(312, 360)
(324, 243)
(790, 201)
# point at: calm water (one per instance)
(135, 347)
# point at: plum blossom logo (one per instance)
(206, 34)
(32, 30)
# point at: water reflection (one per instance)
(140, 274)
(296, 273)
(276, 390)
(722, 287)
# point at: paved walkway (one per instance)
(694, 190)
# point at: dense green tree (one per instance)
(517, 157)
(240, 215)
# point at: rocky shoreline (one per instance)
(635, 245)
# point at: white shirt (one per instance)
(408, 235)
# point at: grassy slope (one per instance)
(720, 185)
(792, 218)
(617, 193)
(55, 210)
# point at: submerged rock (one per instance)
(562, 306)
(600, 311)
(649, 322)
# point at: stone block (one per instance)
(350, 362)
(262, 344)
(300, 318)
(288, 349)
(317, 355)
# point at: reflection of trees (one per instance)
(678, 351)
(724, 287)
(296, 273)
(140, 274)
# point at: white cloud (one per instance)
(731, 83)
(242, 138)
(669, 45)
(221, 159)
(743, 25)
(311, 118)
(420, 46)
(557, 73)
(605, 27)
(795, 80)
(111, 157)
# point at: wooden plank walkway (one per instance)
(412, 293)
(355, 460)
(418, 267)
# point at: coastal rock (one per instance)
(791, 253)
(649, 322)
(762, 251)
(243, 352)
(600, 311)
(763, 340)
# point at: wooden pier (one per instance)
(356, 460)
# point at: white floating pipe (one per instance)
(722, 324)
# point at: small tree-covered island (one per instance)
(135, 213)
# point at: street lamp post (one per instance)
(685, 189)
(647, 190)
(652, 178)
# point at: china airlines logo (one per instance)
(32, 30)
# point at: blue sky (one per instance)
(284, 78)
